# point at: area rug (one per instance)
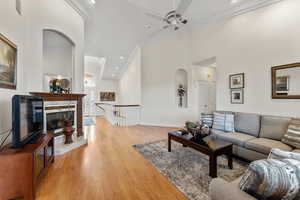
(188, 169)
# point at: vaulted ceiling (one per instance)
(115, 27)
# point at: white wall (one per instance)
(130, 83)
(252, 43)
(26, 32)
(161, 58)
(57, 54)
(94, 67)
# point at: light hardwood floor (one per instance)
(108, 168)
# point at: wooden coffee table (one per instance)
(209, 146)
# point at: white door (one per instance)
(207, 97)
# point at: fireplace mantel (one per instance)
(58, 97)
(66, 97)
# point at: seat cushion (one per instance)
(264, 145)
(234, 138)
(274, 127)
(247, 123)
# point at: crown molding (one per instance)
(82, 12)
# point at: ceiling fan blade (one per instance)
(183, 6)
(155, 17)
(167, 26)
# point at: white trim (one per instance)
(77, 8)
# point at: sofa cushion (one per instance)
(219, 121)
(234, 138)
(296, 151)
(207, 119)
(279, 154)
(247, 123)
(264, 145)
(229, 122)
(274, 127)
(292, 136)
(272, 179)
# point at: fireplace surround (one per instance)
(55, 112)
(59, 107)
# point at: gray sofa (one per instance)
(254, 138)
(256, 135)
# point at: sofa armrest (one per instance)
(219, 189)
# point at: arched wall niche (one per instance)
(181, 85)
(58, 57)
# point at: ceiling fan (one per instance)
(174, 19)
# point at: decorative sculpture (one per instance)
(68, 131)
(181, 91)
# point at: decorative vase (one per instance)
(68, 131)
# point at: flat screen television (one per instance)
(28, 119)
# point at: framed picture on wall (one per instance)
(237, 81)
(237, 96)
(8, 64)
(107, 96)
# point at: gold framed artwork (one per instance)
(8, 63)
(108, 96)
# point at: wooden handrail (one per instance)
(119, 105)
(122, 106)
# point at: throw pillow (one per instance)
(272, 179)
(219, 121)
(229, 123)
(280, 154)
(292, 136)
(207, 119)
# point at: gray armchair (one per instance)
(222, 190)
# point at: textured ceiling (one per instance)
(115, 27)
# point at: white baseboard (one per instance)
(161, 125)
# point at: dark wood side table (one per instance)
(209, 146)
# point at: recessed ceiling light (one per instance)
(122, 57)
(234, 1)
(93, 2)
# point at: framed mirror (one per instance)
(286, 81)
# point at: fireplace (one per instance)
(56, 112)
(58, 107)
(55, 120)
